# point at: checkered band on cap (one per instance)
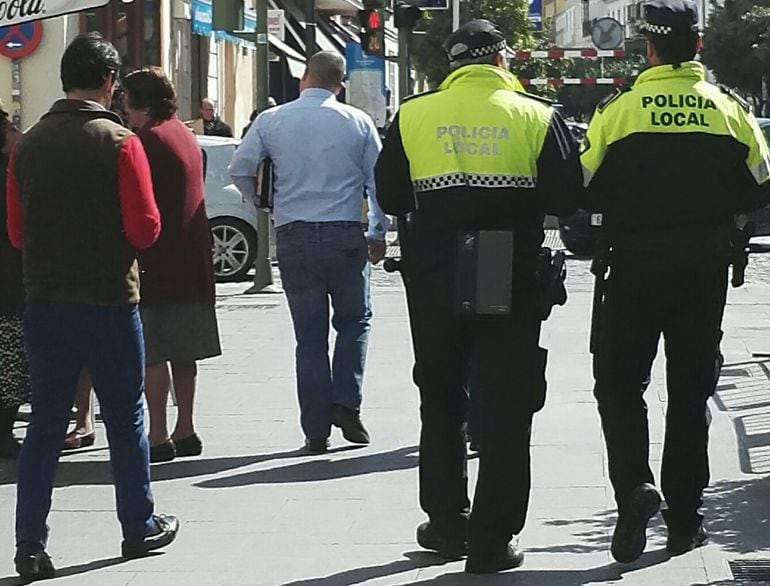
(474, 180)
(657, 29)
(488, 50)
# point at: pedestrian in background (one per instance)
(323, 154)
(667, 230)
(476, 156)
(177, 274)
(213, 125)
(79, 203)
(14, 371)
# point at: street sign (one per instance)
(20, 40)
(365, 85)
(535, 14)
(18, 11)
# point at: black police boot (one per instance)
(498, 561)
(33, 564)
(680, 542)
(630, 536)
(446, 543)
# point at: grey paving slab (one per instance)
(255, 511)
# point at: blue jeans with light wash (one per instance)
(322, 262)
(61, 340)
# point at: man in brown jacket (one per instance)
(80, 202)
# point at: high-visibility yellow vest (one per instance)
(477, 130)
(669, 100)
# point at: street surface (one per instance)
(254, 510)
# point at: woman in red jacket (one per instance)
(14, 374)
(177, 275)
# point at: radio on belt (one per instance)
(484, 272)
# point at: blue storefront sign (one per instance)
(203, 16)
(365, 86)
(535, 14)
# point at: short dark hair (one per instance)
(326, 68)
(87, 62)
(150, 88)
(673, 49)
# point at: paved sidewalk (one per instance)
(256, 511)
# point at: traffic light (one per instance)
(406, 16)
(372, 34)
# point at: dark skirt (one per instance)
(14, 370)
(180, 332)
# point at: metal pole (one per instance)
(455, 14)
(310, 44)
(404, 65)
(263, 272)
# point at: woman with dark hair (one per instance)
(177, 275)
(14, 373)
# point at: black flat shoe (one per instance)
(630, 536)
(316, 446)
(36, 565)
(167, 529)
(188, 446)
(680, 542)
(164, 452)
(452, 546)
(349, 421)
(507, 559)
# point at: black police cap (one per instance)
(667, 17)
(476, 38)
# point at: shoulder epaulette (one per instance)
(420, 95)
(734, 95)
(537, 98)
(612, 97)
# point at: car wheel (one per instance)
(234, 248)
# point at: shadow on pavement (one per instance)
(414, 561)
(736, 514)
(320, 469)
(71, 570)
(567, 577)
(99, 471)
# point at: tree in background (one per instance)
(429, 57)
(736, 46)
(428, 54)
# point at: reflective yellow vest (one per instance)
(670, 100)
(477, 130)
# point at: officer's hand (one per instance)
(377, 250)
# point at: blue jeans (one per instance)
(319, 262)
(61, 340)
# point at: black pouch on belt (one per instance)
(484, 272)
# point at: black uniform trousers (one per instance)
(684, 301)
(511, 382)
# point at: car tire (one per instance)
(234, 248)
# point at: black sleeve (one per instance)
(559, 176)
(391, 175)
(748, 196)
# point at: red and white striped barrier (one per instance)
(573, 81)
(568, 54)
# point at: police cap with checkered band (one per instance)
(670, 17)
(476, 38)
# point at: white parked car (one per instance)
(233, 221)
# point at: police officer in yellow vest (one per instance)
(476, 157)
(668, 162)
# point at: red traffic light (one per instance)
(373, 21)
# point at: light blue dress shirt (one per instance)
(323, 155)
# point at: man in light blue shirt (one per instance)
(323, 155)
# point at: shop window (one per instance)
(133, 28)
